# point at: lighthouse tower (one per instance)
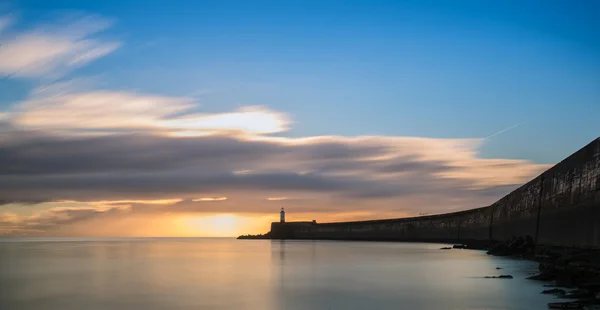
(282, 216)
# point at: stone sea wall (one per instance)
(559, 207)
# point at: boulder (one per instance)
(554, 291)
(547, 268)
(565, 305)
(504, 276)
(592, 286)
(513, 246)
(498, 249)
(529, 240)
(543, 277)
(577, 294)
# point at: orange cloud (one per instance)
(115, 202)
(144, 202)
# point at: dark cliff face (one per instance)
(559, 207)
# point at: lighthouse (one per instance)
(282, 216)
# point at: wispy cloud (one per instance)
(56, 218)
(61, 106)
(53, 50)
(168, 201)
(94, 110)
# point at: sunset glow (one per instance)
(210, 199)
(222, 225)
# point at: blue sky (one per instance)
(409, 68)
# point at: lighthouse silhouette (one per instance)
(282, 216)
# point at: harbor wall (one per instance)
(559, 207)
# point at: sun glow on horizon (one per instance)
(223, 225)
(277, 198)
(209, 199)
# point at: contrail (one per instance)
(503, 130)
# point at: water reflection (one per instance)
(282, 252)
(255, 274)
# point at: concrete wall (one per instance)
(570, 209)
(470, 225)
(559, 207)
(516, 213)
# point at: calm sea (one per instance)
(59, 274)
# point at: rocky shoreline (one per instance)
(569, 273)
(265, 236)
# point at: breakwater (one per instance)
(559, 207)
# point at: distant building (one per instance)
(282, 216)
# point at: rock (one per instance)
(516, 243)
(576, 294)
(553, 252)
(527, 246)
(446, 248)
(547, 268)
(566, 277)
(459, 246)
(529, 240)
(577, 268)
(565, 305)
(543, 277)
(540, 257)
(593, 286)
(498, 249)
(499, 277)
(581, 264)
(513, 246)
(585, 256)
(554, 291)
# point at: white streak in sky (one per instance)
(503, 130)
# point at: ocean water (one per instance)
(59, 274)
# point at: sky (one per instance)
(204, 118)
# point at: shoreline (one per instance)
(572, 274)
(569, 273)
